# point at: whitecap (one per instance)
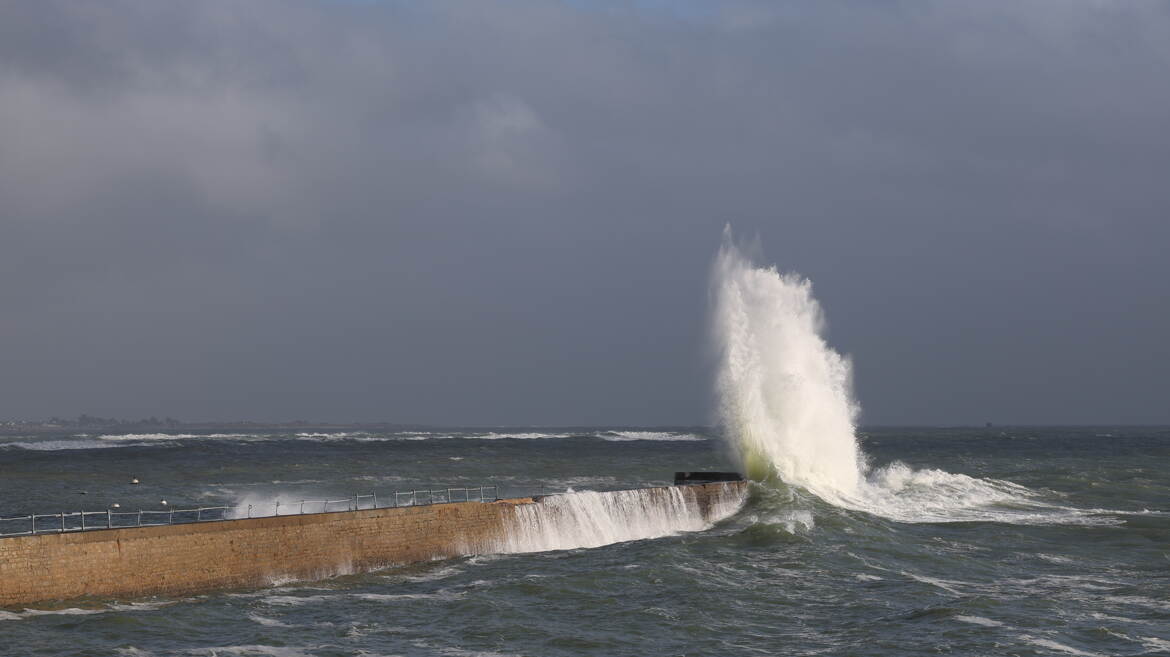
(267, 622)
(443, 594)
(1059, 647)
(72, 611)
(293, 600)
(978, 620)
(1155, 643)
(429, 576)
(56, 445)
(171, 436)
(252, 651)
(944, 584)
(665, 436)
(492, 435)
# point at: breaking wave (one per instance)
(668, 436)
(786, 407)
(104, 441)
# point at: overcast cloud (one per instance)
(504, 212)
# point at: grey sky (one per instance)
(504, 212)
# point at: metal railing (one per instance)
(79, 521)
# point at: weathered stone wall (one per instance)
(182, 559)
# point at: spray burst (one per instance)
(784, 396)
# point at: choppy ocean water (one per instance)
(1027, 541)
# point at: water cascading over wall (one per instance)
(591, 519)
(190, 558)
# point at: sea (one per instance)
(849, 541)
(959, 541)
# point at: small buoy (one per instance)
(81, 492)
(115, 505)
(134, 480)
(164, 502)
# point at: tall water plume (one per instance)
(785, 405)
(784, 396)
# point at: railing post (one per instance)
(171, 518)
(198, 514)
(277, 507)
(302, 507)
(83, 521)
(62, 514)
(140, 517)
(375, 494)
(33, 527)
(109, 519)
(249, 510)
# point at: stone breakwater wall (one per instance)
(173, 560)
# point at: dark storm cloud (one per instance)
(504, 212)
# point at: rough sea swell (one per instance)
(786, 407)
(856, 541)
(790, 573)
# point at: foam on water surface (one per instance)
(159, 439)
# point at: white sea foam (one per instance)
(294, 600)
(267, 622)
(77, 611)
(172, 436)
(431, 649)
(978, 620)
(950, 586)
(446, 595)
(1155, 643)
(667, 436)
(71, 611)
(141, 606)
(430, 575)
(253, 651)
(794, 521)
(55, 445)
(341, 435)
(1059, 647)
(507, 435)
(104, 441)
(785, 404)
